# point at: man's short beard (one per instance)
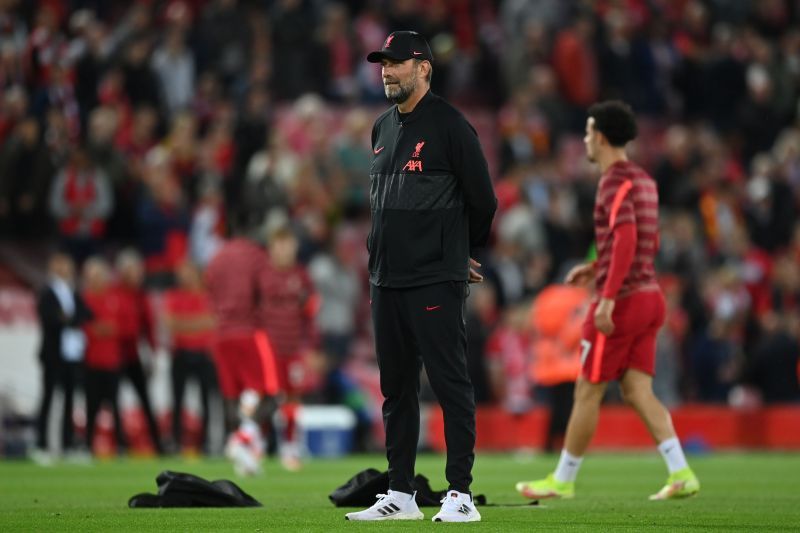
(403, 91)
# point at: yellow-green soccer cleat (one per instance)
(680, 484)
(548, 487)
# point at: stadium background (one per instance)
(217, 109)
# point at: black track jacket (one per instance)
(431, 196)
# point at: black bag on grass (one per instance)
(176, 489)
(360, 490)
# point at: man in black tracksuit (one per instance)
(432, 206)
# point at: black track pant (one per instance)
(134, 372)
(102, 387)
(415, 326)
(185, 365)
(67, 376)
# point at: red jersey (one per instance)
(232, 278)
(627, 195)
(103, 350)
(188, 304)
(135, 319)
(288, 309)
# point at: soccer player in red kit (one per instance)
(289, 306)
(619, 334)
(242, 353)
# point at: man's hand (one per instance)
(602, 316)
(474, 276)
(580, 275)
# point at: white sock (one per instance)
(567, 469)
(672, 453)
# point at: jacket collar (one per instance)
(417, 111)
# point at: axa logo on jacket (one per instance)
(415, 166)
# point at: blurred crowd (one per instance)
(157, 124)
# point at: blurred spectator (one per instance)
(59, 94)
(207, 230)
(250, 135)
(758, 120)
(226, 38)
(335, 274)
(25, 175)
(103, 126)
(136, 329)
(103, 353)
(556, 322)
(336, 280)
(770, 207)
(772, 369)
(90, 64)
(45, 47)
(162, 221)
(508, 357)
(670, 365)
(295, 51)
(141, 83)
(190, 322)
(61, 312)
(352, 155)
(530, 50)
(271, 173)
(81, 201)
(174, 64)
(576, 66)
(337, 37)
(715, 356)
(13, 109)
(482, 316)
(673, 173)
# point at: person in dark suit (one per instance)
(61, 312)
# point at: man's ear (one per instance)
(602, 137)
(427, 69)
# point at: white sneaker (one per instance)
(457, 507)
(392, 506)
(41, 457)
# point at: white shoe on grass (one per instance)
(457, 507)
(391, 506)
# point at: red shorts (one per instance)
(244, 360)
(637, 319)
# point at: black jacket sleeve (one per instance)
(50, 314)
(471, 170)
(82, 312)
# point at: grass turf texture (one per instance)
(740, 492)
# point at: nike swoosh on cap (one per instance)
(378, 150)
(417, 53)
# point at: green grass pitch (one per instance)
(740, 492)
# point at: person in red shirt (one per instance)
(135, 327)
(103, 357)
(191, 324)
(619, 334)
(289, 304)
(241, 351)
